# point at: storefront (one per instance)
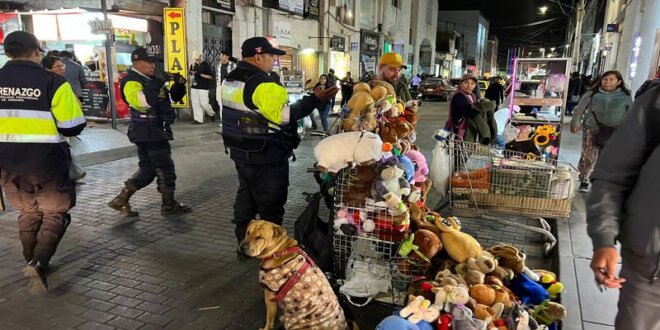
(368, 52)
(73, 30)
(217, 17)
(9, 22)
(340, 60)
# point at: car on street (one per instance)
(436, 88)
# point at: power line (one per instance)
(529, 24)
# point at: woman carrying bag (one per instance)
(599, 112)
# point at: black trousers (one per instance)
(155, 161)
(262, 189)
(44, 201)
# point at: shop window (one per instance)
(396, 3)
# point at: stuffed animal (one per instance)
(488, 313)
(395, 322)
(411, 117)
(528, 291)
(549, 312)
(375, 82)
(428, 242)
(445, 277)
(447, 295)
(421, 167)
(417, 309)
(509, 256)
(408, 166)
(389, 178)
(463, 320)
(549, 282)
(350, 148)
(460, 246)
(358, 104)
(359, 186)
(389, 133)
(483, 294)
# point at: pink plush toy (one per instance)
(421, 168)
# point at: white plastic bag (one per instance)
(366, 278)
(307, 122)
(440, 169)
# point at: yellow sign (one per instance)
(175, 46)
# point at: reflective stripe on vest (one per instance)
(32, 126)
(232, 97)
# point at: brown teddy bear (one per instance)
(389, 134)
(428, 243)
(483, 294)
(359, 186)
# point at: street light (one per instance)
(552, 49)
(543, 9)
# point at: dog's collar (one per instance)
(282, 253)
(296, 275)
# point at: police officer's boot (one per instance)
(120, 203)
(35, 273)
(171, 206)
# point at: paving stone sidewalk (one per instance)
(181, 272)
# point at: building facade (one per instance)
(474, 29)
(490, 68)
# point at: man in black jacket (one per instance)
(260, 132)
(649, 84)
(495, 92)
(151, 117)
(622, 207)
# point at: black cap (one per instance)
(21, 40)
(141, 54)
(259, 45)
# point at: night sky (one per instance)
(507, 13)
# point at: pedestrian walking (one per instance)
(461, 106)
(203, 74)
(225, 66)
(622, 207)
(57, 66)
(74, 72)
(37, 108)
(150, 131)
(414, 82)
(260, 132)
(346, 88)
(323, 108)
(576, 89)
(332, 81)
(495, 92)
(600, 110)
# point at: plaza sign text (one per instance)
(175, 45)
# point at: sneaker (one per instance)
(35, 274)
(584, 187)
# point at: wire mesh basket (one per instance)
(510, 182)
(370, 231)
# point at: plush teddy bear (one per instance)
(411, 117)
(428, 242)
(483, 294)
(447, 295)
(460, 246)
(359, 186)
(358, 104)
(445, 277)
(389, 134)
(474, 270)
(350, 148)
(389, 178)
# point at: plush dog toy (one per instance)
(351, 148)
(460, 246)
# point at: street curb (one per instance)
(105, 156)
(568, 276)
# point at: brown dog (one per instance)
(291, 281)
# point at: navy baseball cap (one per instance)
(21, 40)
(141, 54)
(259, 45)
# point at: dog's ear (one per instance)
(278, 232)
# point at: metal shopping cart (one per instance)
(485, 180)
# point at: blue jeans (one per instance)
(324, 112)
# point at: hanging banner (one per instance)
(174, 27)
(282, 32)
(312, 9)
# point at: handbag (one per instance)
(603, 134)
(314, 234)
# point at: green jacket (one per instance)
(610, 109)
(483, 127)
(402, 91)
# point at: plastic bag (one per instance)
(307, 122)
(510, 133)
(440, 169)
(314, 234)
(365, 278)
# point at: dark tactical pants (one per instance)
(262, 189)
(43, 201)
(639, 301)
(155, 161)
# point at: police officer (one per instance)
(260, 131)
(151, 117)
(37, 108)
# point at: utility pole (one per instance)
(578, 34)
(108, 60)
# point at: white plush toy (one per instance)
(350, 148)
